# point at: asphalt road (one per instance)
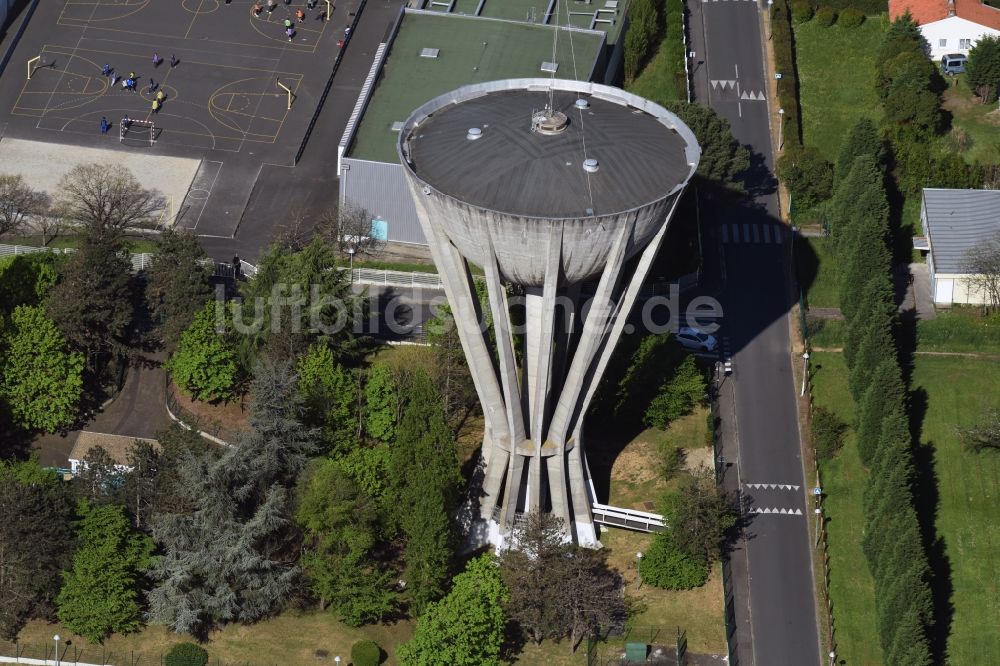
(774, 605)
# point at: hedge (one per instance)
(866, 7)
(186, 654)
(784, 64)
(802, 11)
(850, 18)
(826, 16)
(673, 41)
(366, 653)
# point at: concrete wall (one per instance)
(950, 289)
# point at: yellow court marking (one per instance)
(105, 52)
(184, 6)
(222, 93)
(141, 5)
(39, 78)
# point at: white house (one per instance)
(949, 26)
(955, 221)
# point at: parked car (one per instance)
(692, 338)
(953, 63)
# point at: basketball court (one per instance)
(234, 90)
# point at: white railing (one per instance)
(395, 278)
(629, 519)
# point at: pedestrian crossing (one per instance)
(729, 0)
(760, 234)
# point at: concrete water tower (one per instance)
(545, 184)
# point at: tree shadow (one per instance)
(926, 502)
(758, 179)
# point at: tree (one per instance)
(42, 381)
(454, 380)
(36, 540)
(982, 71)
(677, 396)
(876, 308)
(424, 480)
(884, 392)
(350, 229)
(139, 487)
(100, 594)
(92, 302)
(983, 435)
(559, 590)
(699, 514)
(643, 27)
(331, 396)
(859, 206)
(465, 628)
(723, 159)
(177, 283)
(665, 565)
(341, 529)
(982, 263)
(232, 557)
(299, 299)
(862, 139)
(204, 363)
(99, 479)
(877, 346)
(381, 400)
(26, 279)
(650, 364)
(808, 175)
(828, 432)
(17, 202)
(107, 198)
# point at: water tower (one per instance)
(548, 185)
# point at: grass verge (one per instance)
(959, 491)
(835, 67)
(818, 271)
(960, 330)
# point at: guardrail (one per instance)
(629, 519)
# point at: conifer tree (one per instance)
(330, 394)
(876, 347)
(381, 400)
(884, 393)
(862, 139)
(423, 472)
(177, 283)
(876, 309)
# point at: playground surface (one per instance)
(238, 94)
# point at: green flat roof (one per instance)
(511, 50)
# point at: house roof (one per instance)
(958, 220)
(929, 11)
(117, 446)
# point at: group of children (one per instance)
(258, 10)
(129, 83)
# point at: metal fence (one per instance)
(140, 261)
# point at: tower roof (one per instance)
(515, 166)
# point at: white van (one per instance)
(953, 63)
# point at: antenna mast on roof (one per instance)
(552, 76)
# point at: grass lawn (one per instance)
(843, 480)
(818, 271)
(960, 330)
(980, 121)
(956, 391)
(835, 67)
(657, 81)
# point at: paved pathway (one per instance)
(137, 411)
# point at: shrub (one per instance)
(802, 11)
(186, 654)
(677, 396)
(850, 18)
(807, 174)
(366, 653)
(667, 566)
(828, 432)
(826, 16)
(784, 64)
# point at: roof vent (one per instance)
(397, 126)
(581, 103)
(590, 165)
(474, 133)
(429, 53)
(550, 67)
